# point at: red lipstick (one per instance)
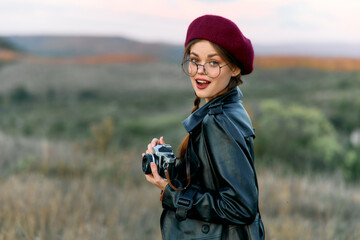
(202, 83)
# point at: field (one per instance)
(71, 137)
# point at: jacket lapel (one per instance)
(196, 117)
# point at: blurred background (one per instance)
(85, 85)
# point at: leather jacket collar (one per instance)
(234, 95)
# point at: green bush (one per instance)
(20, 94)
(343, 115)
(56, 128)
(298, 137)
(351, 165)
(87, 94)
(50, 94)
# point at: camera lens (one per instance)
(147, 159)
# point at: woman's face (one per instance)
(206, 87)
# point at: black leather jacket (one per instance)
(222, 200)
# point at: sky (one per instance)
(262, 21)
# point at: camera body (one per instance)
(164, 159)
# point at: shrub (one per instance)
(87, 94)
(343, 115)
(57, 128)
(102, 136)
(20, 94)
(351, 164)
(298, 137)
(50, 94)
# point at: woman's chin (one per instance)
(201, 94)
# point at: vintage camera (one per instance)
(164, 159)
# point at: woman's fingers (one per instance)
(155, 178)
(154, 171)
(153, 143)
(149, 148)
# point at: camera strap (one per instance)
(184, 203)
(188, 177)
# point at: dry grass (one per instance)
(309, 207)
(39, 206)
(16, 152)
(34, 207)
(329, 64)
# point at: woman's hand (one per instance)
(155, 178)
(153, 143)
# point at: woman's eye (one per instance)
(193, 60)
(213, 63)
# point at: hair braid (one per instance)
(185, 142)
(197, 101)
(234, 82)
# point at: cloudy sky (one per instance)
(263, 21)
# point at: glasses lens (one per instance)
(189, 68)
(212, 69)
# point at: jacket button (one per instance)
(205, 228)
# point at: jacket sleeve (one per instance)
(236, 199)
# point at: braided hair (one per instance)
(234, 82)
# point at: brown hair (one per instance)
(234, 82)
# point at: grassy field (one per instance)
(111, 200)
(71, 137)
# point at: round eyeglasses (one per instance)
(212, 69)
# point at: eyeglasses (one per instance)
(212, 69)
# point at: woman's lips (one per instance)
(202, 83)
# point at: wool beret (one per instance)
(227, 35)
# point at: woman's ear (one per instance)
(235, 72)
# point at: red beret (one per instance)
(227, 35)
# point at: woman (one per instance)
(213, 193)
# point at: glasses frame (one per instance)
(197, 68)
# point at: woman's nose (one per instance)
(203, 70)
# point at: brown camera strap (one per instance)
(188, 177)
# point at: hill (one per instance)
(81, 46)
(85, 46)
(8, 52)
(5, 44)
